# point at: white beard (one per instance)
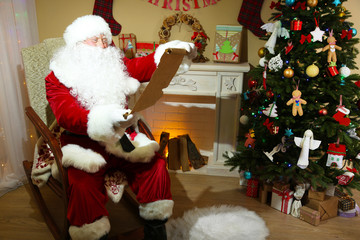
(96, 76)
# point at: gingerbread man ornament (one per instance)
(296, 101)
(331, 48)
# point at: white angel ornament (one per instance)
(306, 143)
(277, 31)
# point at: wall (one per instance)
(136, 16)
(144, 19)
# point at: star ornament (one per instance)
(288, 132)
(317, 34)
(336, 2)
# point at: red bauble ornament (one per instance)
(323, 112)
(252, 83)
(269, 94)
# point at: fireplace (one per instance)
(205, 104)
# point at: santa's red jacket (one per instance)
(77, 145)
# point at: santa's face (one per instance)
(94, 72)
(97, 41)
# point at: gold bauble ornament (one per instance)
(288, 73)
(312, 3)
(312, 70)
(341, 14)
(261, 52)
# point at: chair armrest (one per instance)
(50, 139)
(143, 128)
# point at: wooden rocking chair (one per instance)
(36, 61)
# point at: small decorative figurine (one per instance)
(306, 143)
(296, 101)
(331, 48)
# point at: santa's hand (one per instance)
(189, 47)
(124, 119)
(107, 123)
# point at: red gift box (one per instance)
(332, 71)
(296, 25)
(252, 188)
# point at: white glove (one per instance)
(107, 122)
(189, 47)
(123, 119)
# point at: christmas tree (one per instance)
(305, 72)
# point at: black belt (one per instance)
(73, 134)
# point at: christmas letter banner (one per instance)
(183, 5)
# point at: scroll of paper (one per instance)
(161, 78)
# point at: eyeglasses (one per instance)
(97, 41)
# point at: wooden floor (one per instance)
(20, 219)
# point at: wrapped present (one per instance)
(330, 190)
(327, 208)
(227, 43)
(350, 213)
(265, 192)
(127, 43)
(145, 48)
(296, 25)
(332, 71)
(339, 193)
(282, 200)
(346, 203)
(310, 215)
(317, 195)
(252, 188)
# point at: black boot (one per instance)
(155, 230)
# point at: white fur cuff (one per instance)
(81, 158)
(158, 210)
(91, 231)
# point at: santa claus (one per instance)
(87, 90)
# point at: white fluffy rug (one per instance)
(222, 222)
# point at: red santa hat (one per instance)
(86, 27)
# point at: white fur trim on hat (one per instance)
(91, 231)
(81, 158)
(158, 210)
(86, 27)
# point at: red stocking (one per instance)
(103, 8)
(341, 118)
(250, 18)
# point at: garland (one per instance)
(199, 37)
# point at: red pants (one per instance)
(87, 195)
